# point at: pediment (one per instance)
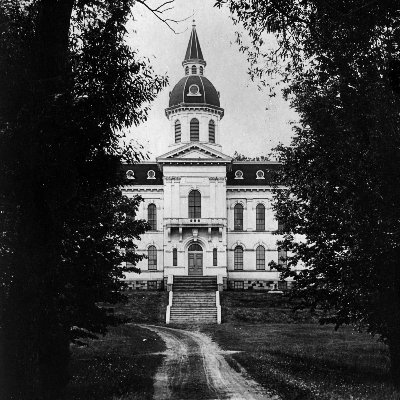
(194, 151)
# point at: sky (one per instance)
(253, 123)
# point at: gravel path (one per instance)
(195, 368)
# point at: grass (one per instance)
(121, 365)
(300, 359)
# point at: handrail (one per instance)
(168, 316)
(218, 305)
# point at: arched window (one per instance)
(187, 70)
(194, 130)
(194, 204)
(130, 174)
(238, 217)
(174, 257)
(238, 174)
(211, 131)
(194, 69)
(260, 174)
(260, 217)
(201, 70)
(152, 216)
(177, 131)
(238, 258)
(215, 257)
(195, 247)
(151, 174)
(260, 258)
(152, 257)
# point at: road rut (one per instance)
(195, 368)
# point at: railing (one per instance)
(218, 307)
(176, 222)
(168, 316)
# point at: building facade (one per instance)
(209, 215)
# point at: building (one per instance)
(210, 215)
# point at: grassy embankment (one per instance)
(292, 354)
(121, 365)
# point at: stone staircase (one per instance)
(194, 300)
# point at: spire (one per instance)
(193, 52)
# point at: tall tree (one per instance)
(339, 64)
(69, 84)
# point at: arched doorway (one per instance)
(195, 263)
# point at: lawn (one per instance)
(300, 359)
(121, 365)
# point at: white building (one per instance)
(210, 215)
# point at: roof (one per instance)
(140, 173)
(249, 170)
(207, 94)
(193, 52)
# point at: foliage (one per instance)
(69, 83)
(241, 157)
(340, 64)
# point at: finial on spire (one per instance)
(194, 23)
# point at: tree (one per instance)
(69, 84)
(339, 64)
(241, 157)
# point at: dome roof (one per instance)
(194, 89)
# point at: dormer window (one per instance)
(238, 174)
(260, 174)
(194, 70)
(151, 174)
(194, 90)
(130, 174)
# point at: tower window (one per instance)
(151, 174)
(194, 204)
(194, 130)
(194, 70)
(174, 257)
(238, 217)
(201, 70)
(152, 258)
(215, 257)
(177, 131)
(211, 131)
(260, 258)
(152, 216)
(260, 217)
(187, 70)
(238, 258)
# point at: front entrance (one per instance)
(195, 254)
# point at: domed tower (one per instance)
(194, 109)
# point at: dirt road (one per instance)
(194, 368)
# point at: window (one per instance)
(187, 70)
(194, 69)
(260, 217)
(152, 216)
(238, 217)
(174, 257)
(239, 174)
(177, 131)
(215, 257)
(281, 225)
(282, 285)
(238, 285)
(238, 258)
(282, 257)
(194, 204)
(151, 174)
(211, 131)
(194, 90)
(201, 70)
(152, 258)
(260, 174)
(260, 258)
(152, 285)
(194, 130)
(130, 174)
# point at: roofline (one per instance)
(219, 110)
(257, 162)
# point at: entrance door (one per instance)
(195, 253)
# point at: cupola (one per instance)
(194, 107)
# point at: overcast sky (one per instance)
(253, 123)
